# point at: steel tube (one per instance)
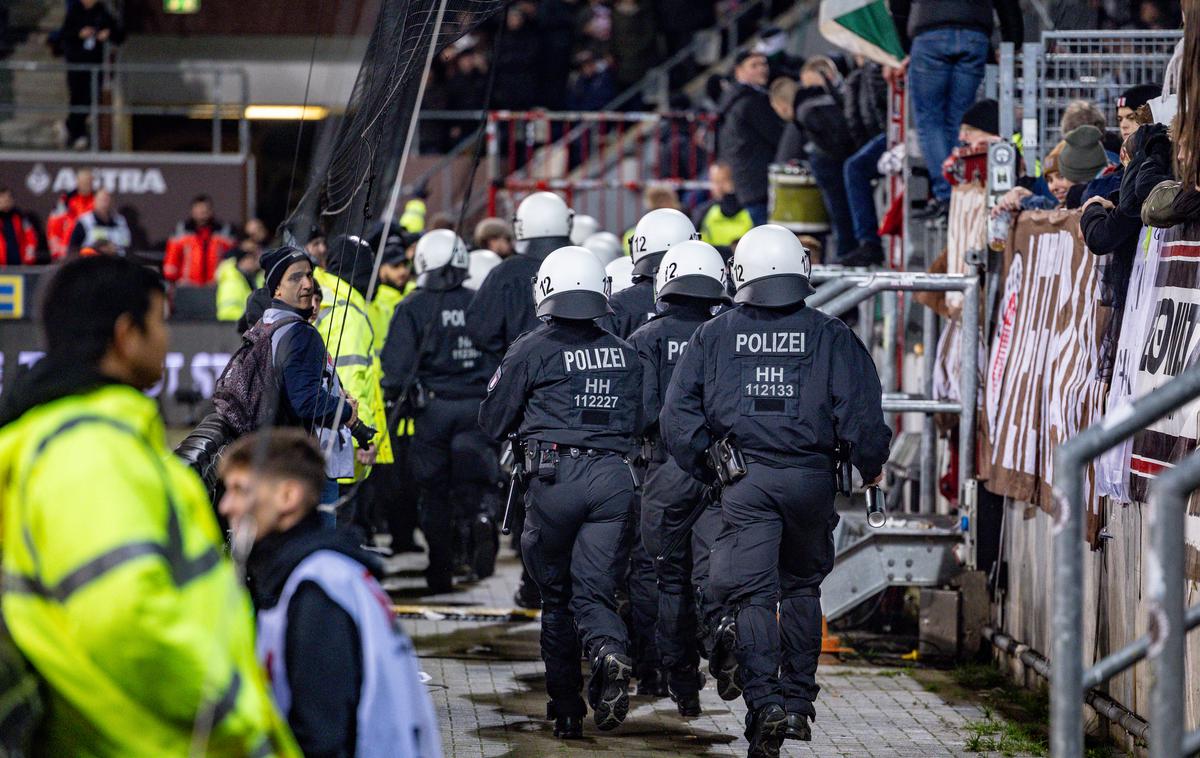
(918, 405)
(879, 281)
(826, 292)
(1066, 707)
(1164, 588)
(1007, 63)
(1130, 655)
(1101, 703)
(969, 381)
(93, 111)
(928, 485)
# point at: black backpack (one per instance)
(246, 396)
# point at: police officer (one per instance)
(503, 308)
(783, 383)
(429, 358)
(569, 389)
(655, 233)
(690, 287)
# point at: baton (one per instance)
(711, 495)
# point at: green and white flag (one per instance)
(863, 27)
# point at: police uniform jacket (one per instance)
(787, 383)
(660, 344)
(502, 309)
(569, 383)
(631, 307)
(433, 323)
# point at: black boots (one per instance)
(798, 727)
(765, 730)
(608, 688)
(722, 664)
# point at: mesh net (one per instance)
(352, 179)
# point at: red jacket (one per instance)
(25, 235)
(193, 253)
(61, 221)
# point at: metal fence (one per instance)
(1096, 66)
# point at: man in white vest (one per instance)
(341, 670)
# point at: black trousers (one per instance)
(669, 495)
(79, 86)
(452, 461)
(775, 548)
(575, 544)
(643, 598)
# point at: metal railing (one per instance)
(1165, 578)
(1079, 64)
(118, 79)
(844, 289)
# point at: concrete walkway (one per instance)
(487, 684)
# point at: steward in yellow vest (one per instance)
(116, 589)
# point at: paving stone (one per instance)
(487, 687)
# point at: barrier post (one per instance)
(1007, 61)
(928, 497)
(94, 109)
(1031, 56)
(1164, 589)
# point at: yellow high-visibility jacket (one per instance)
(232, 290)
(345, 324)
(413, 217)
(117, 591)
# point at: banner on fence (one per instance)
(966, 230)
(1040, 380)
(1112, 468)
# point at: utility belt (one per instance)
(727, 460)
(541, 459)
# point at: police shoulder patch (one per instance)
(494, 380)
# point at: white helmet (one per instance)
(571, 283)
(436, 249)
(693, 269)
(654, 235)
(771, 268)
(542, 214)
(621, 273)
(481, 264)
(604, 245)
(582, 227)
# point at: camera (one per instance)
(363, 434)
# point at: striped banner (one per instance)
(966, 230)
(1040, 379)
(1166, 345)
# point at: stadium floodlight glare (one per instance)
(285, 112)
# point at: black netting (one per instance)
(352, 179)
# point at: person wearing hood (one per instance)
(429, 361)
(119, 595)
(344, 322)
(341, 669)
(748, 132)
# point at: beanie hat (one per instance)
(1084, 156)
(1137, 96)
(984, 116)
(276, 263)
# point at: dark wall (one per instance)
(274, 17)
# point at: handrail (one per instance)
(865, 285)
(1165, 591)
(1070, 461)
(115, 73)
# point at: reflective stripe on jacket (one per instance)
(345, 324)
(117, 591)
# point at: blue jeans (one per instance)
(858, 173)
(329, 494)
(828, 173)
(758, 213)
(945, 71)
